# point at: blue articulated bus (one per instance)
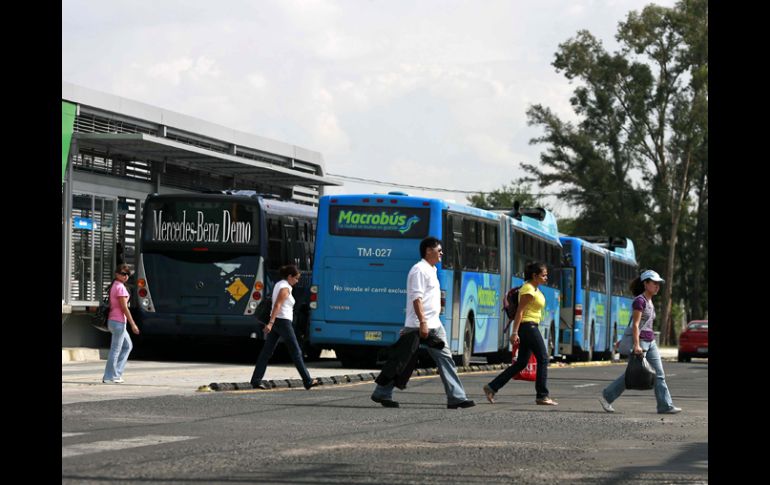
(534, 236)
(366, 245)
(596, 300)
(208, 262)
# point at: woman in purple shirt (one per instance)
(640, 332)
(121, 344)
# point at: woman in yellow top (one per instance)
(525, 331)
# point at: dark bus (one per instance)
(208, 262)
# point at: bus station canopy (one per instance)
(141, 146)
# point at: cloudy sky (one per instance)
(421, 92)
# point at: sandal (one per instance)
(313, 383)
(489, 393)
(546, 401)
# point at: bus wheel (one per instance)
(464, 359)
(551, 342)
(357, 358)
(311, 352)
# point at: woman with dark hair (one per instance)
(640, 334)
(280, 326)
(121, 344)
(526, 332)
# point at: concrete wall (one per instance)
(76, 331)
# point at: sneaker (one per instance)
(605, 405)
(489, 393)
(671, 410)
(546, 401)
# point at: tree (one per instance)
(504, 197)
(641, 109)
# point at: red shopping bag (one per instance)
(529, 373)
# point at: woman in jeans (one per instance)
(526, 331)
(644, 288)
(121, 345)
(280, 326)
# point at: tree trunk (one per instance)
(665, 325)
(696, 305)
(667, 334)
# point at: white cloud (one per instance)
(430, 93)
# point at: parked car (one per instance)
(694, 341)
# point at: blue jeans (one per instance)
(446, 368)
(530, 340)
(120, 347)
(662, 396)
(281, 328)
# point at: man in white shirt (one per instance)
(423, 305)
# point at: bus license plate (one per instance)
(703, 350)
(372, 335)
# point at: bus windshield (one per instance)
(216, 283)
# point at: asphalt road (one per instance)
(335, 434)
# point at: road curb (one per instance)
(79, 354)
(370, 376)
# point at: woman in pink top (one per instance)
(121, 343)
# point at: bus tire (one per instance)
(464, 359)
(587, 354)
(310, 353)
(551, 342)
(357, 358)
(502, 355)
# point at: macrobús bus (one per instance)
(596, 298)
(366, 244)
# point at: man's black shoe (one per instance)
(465, 404)
(385, 402)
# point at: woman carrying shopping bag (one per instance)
(527, 335)
(644, 287)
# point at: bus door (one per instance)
(455, 236)
(588, 322)
(567, 311)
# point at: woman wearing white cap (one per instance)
(640, 331)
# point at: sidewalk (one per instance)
(83, 354)
(82, 379)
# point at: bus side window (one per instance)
(481, 249)
(274, 244)
(458, 242)
(448, 238)
(289, 241)
(469, 258)
(492, 248)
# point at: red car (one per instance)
(694, 341)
